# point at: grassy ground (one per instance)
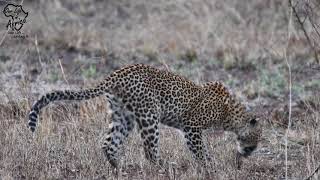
(74, 44)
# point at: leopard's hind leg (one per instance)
(122, 123)
(148, 125)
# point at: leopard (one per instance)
(144, 97)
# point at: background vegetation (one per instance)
(247, 44)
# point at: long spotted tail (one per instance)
(57, 96)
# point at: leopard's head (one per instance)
(248, 133)
(245, 124)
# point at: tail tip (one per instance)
(32, 129)
(32, 120)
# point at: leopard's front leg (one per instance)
(196, 145)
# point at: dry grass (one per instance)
(74, 44)
(67, 146)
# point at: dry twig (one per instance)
(313, 173)
(304, 31)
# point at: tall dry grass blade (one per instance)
(290, 95)
(4, 36)
(37, 48)
(63, 74)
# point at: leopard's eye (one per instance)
(253, 122)
(239, 138)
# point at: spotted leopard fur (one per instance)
(143, 95)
